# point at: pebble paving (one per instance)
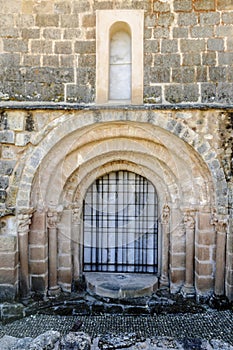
(208, 325)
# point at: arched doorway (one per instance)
(120, 221)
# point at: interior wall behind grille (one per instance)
(121, 224)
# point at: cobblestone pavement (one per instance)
(208, 325)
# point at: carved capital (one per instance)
(76, 212)
(24, 219)
(189, 221)
(219, 222)
(165, 214)
(53, 217)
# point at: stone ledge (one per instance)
(93, 107)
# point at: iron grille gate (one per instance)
(121, 224)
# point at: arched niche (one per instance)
(120, 62)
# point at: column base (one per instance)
(219, 302)
(54, 291)
(164, 281)
(188, 291)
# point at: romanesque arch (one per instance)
(75, 149)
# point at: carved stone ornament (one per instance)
(53, 217)
(24, 219)
(76, 212)
(189, 220)
(165, 214)
(219, 222)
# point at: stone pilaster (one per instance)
(24, 221)
(52, 220)
(221, 233)
(76, 241)
(188, 289)
(164, 280)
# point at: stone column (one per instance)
(164, 280)
(52, 220)
(221, 231)
(24, 221)
(188, 289)
(76, 251)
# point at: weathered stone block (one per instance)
(217, 74)
(31, 60)
(151, 46)
(192, 45)
(3, 196)
(215, 44)
(87, 61)
(159, 75)
(202, 32)
(224, 93)
(64, 261)
(203, 269)
(51, 61)
(161, 6)
(62, 7)
(161, 33)
(191, 60)
(8, 260)
(7, 293)
(8, 276)
(180, 32)
(8, 59)
(4, 182)
(225, 5)
(150, 21)
(153, 94)
(226, 58)
(165, 19)
(174, 93)
(6, 167)
(30, 33)
(38, 267)
(224, 31)
(204, 284)
(71, 33)
(208, 18)
(52, 33)
(85, 47)
(207, 238)
(38, 253)
(65, 276)
(182, 5)
(15, 45)
(209, 59)
(22, 139)
(38, 238)
(47, 20)
(38, 221)
(7, 136)
(80, 93)
(103, 5)
(169, 45)
(187, 19)
(88, 21)
(177, 276)
(81, 6)
(204, 5)
(201, 75)
(203, 253)
(69, 21)
(86, 76)
(191, 93)
(63, 47)
(41, 46)
(15, 120)
(167, 60)
(39, 283)
(183, 75)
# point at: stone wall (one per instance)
(48, 50)
(48, 115)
